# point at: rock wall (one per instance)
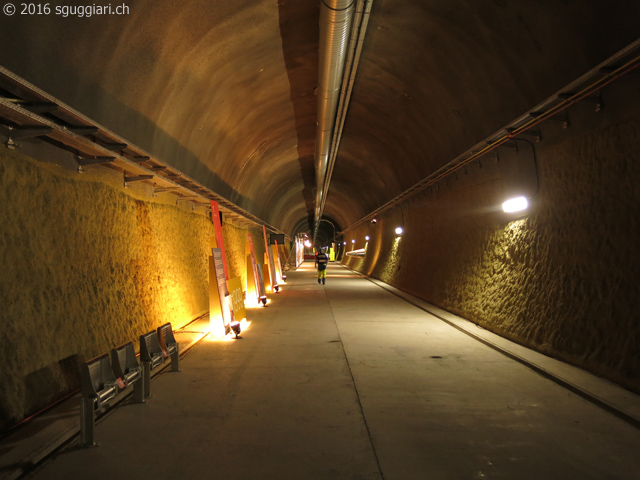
(86, 267)
(234, 247)
(563, 279)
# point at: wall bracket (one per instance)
(83, 162)
(136, 178)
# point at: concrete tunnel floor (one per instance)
(348, 381)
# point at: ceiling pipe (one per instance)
(335, 25)
(361, 20)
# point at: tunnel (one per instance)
(388, 132)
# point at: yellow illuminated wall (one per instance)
(562, 279)
(234, 243)
(85, 267)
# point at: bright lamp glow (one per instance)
(399, 231)
(307, 243)
(516, 204)
(367, 238)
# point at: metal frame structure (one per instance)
(585, 88)
(28, 111)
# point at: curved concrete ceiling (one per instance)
(224, 90)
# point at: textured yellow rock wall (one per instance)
(85, 267)
(563, 279)
(235, 245)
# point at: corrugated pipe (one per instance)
(335, 25)
(361, 19)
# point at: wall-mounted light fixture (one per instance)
(374, 220)
(344, 243)
(353, 241)
(516, 204)
(366, 238)
(399, 231)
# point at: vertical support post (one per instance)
(87, 422)
(139, 391)
(146, 378)
(175, 359)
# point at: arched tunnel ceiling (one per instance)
(224, 91)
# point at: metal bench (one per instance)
(98, 387)
(126, 368)
(169, 345)
(151, 356)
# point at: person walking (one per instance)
(321, 264)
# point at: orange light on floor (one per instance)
(251, 303)
(244, 324)
(226, 338)
(216, 330)
(217, 334)
(262, 302)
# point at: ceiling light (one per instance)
(516, 204)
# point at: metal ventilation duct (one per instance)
(335, 25)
